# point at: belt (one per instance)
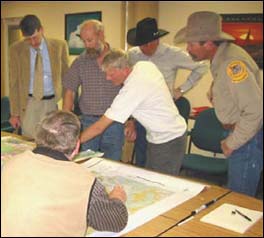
(88, 115)
(45, 97)
(229, 126)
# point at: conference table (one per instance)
(164, 225)
(195, 227)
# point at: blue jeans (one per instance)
(141, 145)
(245, 165)
(110, 142)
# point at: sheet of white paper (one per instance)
(222, 216)
(149, 194)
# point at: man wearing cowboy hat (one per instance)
(236, 94)
(168, 59)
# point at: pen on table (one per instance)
(243, 215)
(194, 212)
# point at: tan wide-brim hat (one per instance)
(202, 26)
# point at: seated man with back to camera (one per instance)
(44, 193)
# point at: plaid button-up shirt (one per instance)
(97, 93)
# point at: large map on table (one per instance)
(149, 194)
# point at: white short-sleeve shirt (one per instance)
(145, 96)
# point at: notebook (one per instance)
(223, 217)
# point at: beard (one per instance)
(92, 53)
(95, 52)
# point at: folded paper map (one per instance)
(88, 154)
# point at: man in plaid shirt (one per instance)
(97, 93)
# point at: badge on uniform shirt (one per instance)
(237, 71)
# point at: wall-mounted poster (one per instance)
(248, 31)
(73, 22)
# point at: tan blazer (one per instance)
(19, 69)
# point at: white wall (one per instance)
(52, 16)
(172, 17)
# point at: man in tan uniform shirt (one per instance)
(235, 93)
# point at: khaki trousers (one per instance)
(35, 111)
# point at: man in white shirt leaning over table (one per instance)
(145, 96)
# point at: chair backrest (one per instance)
(184, 107)
(5, 115)
(208, 132)
(5, 109)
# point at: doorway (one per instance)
(10, 33)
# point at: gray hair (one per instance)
(116, 58)
(58, 130)
(98, 26)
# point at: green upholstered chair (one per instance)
(184, 107)
(5, 115)
(206, 135)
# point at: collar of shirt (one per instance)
(50, 153)
(158, 53)
(40, 46)
(217, 56)
(160, 50)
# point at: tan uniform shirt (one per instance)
(236, 93)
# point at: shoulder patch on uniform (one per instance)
(237, 71)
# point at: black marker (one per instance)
(194, 212)
(243, 215)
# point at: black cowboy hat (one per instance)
(145, 32)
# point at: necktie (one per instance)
(38, 77)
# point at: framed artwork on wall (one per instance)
(72, 29)
(248, 32)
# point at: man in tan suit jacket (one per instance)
(27, 110)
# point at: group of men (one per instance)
(136, 89)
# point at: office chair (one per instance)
(206, 134)
(184, 107)
(5, 115)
